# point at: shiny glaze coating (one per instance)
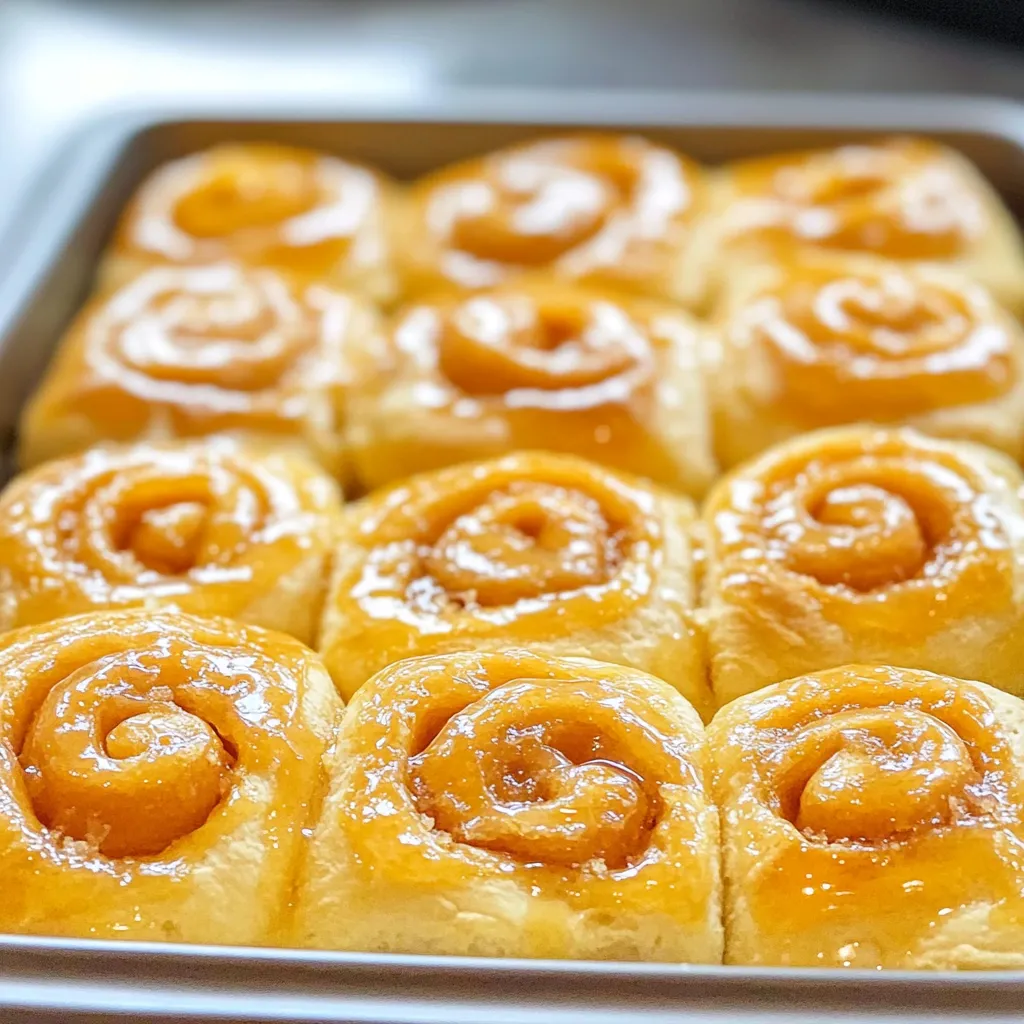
(208, 528)
(540, 365)
(531, 549)
(294, 210)
(183, 352)
(574, 786)
(824, 341)
(156, 772)
(869, 815)
(900, 198)
(611, 210)
(865, 544)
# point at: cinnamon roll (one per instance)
(207, 528)
(516, 805)
(303, 213)
(616, 211)
(902, 198)
(871, 817)
(539, 550)
(156, 775)
(866, 545)
(539, 366)
(817, 343)
(185, 352)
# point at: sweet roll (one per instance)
(156, 774)
(871, 818)
(516, 805)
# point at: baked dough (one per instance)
(516, 805)
(907, 199)
(536, 550)
(208, 528)
(539, 366)
(613, 211)
(829, 340)
(866, 545)
(302, 213)
(186, 352)
(156, 773)
(871, 818)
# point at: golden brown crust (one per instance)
(516, 805)
(613, 211)
(871, 818)
(826, 340)
(208, 528)
(156, 772)
(302, 213)
(542, 365)
(217, 349)
(534, 549)
(865, 545)
(907, 199)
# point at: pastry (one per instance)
(184, 352)
(826, 341)
(516, 805)
(297, 211)
(156, 773)
(906, 199)
(539, 366)
(206, 528)
(536, 550)
(871, 817)
(615, 211)
(866, 545)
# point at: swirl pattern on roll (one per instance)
(882, 343)
(578, 783)
(209, 528)
(146, 753)
(540, 366)
(209, 340)
(294, 210)
(900, 198)
(192, 351)
(529, 548)
(616, 208)
(879, 804)
(867, 544)
(867, 510)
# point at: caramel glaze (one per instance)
(567, 777)
(262, 205)
(609, 209)
(540, 366)
(882, 343)
(863, 809)
(207, 528)
(901, 198)
(891, 533)
(138, 753)
(184, 352)
(529, 549)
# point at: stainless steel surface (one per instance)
(81, 981)
(62, 61)
(63, 227)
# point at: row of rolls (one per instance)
(165, 777)
(171, 769)
(858, 544)
(871, 282)
(592, 701)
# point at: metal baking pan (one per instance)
(46, 265)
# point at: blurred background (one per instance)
(61, 61)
